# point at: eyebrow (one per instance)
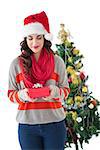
(39, 35)
(32, 36)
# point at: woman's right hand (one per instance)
(23, 96)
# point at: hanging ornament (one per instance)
(81, 128)
(78, 104)
(75, 51)
(81, 106)
(74, 115)
(70, 70)
(82, 76)
(78, 99)
(69, 80)
(78, 135)
(69, 101)
(74, 79)
(93, 101)
(79, 119)
(84, 89)
(91, 106)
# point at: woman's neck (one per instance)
(36, 55)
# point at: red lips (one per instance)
(35, 47)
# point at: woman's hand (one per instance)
(23, 96)
(54, 92)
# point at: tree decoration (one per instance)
(81, 108)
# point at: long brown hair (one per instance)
(27, 52)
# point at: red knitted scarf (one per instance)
(40, 71)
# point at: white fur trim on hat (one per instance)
(36, 28)
(48, 36)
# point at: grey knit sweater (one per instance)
(40, 111)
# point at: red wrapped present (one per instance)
(38, 92)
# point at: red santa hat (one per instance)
(37, 24)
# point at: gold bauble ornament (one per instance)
(74, 78)
(70, 101)
(74, 115)
(75, 81)
(78, 99)
(70, 70)
(84, 89)
(78, 104)
(75, 51)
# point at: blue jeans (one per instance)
(49, 136)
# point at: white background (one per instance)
(80, 17)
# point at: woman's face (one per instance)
(35, 42)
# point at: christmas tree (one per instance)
(81, 108)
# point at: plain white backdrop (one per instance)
(80, 17)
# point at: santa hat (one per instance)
(37, 24)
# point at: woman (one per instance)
(41, 123)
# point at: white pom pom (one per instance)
(79, 119)
(48, 36)
(81, 128)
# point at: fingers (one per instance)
(34, 100)
(46, 98)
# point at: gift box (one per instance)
(38, 92)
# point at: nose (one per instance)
(34, 41)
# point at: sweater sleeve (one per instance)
(12, 85)
(62, 90)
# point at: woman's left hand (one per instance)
(54, 92)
